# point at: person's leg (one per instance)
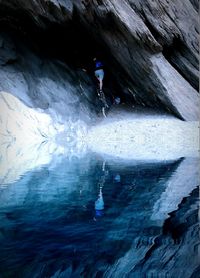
(97, 76)
(101, 76)
(100, 84)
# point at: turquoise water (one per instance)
(91, 217)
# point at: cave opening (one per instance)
(69, 42)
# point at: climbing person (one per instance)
(99, 72)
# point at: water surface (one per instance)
(93, 217)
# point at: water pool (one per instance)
(92, 217)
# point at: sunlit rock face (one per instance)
(151, 46)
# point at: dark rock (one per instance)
(140, 31)
(7, 52)
(49, 85)
(154, 43)
(195, 3)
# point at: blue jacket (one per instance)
(98, 65)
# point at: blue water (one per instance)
(93, 218)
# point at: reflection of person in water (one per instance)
(99, 204)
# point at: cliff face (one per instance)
(49, 85)
(151, 47)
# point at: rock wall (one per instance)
(156, 43)
(49, 85)
(152, 45)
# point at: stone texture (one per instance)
(140, 30)
(51, 86)
(135, 34)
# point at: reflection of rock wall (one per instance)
(43, 185)
(177, 249)
(152, 250)
(49, 213)
(171, 253)
(179, 185)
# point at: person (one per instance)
(99, 72)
